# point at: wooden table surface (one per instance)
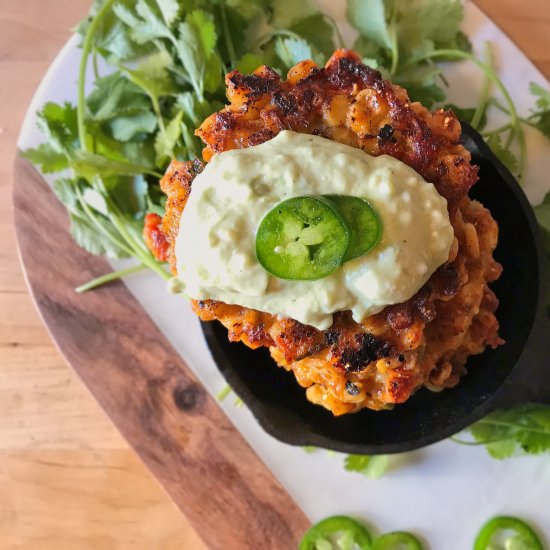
(67, 478)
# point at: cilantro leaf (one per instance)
(543, 101)
(370, 466)
(540, 119)
(506, 432)
(292, 50)
(287, 12)
(370, 62)
(150, 24)
(541, 415)
(194, 109)
(504, 155)
(130, 194)
(113, 38)
(65, 190)
(152, 76)
(95, 233)
(428, 94)
(166, 139)
(234, 30)
(191, 142)
(88, 165)
(135, 152)
(369, 18)
(435, 20)
(196, 50)
(48, 158)
(250, 8)
(194, 112)
(248, 63)
(59, 125)
(542, 123)
(317, 31)
(126, 128)
(87, 235)
(114, 96)
(466, 114)
(420, 82)
(169, 10)
(459, 42)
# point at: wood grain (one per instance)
(82, 500)
(151, 395)
(56, 444)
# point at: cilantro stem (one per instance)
(228, 42)
(129, 246)
(394, 53)
(273, 34)
(97, 76)
(108, 277)
(101, 228)
(138, 250)
(510, 138)
(158, 113)
(526, 121)
(394, 41)
(223, 393)
(481, 442)
(339, 39)
(498, 130)
(485, 92)
(514, 425)
(86, 49)
(156, 108)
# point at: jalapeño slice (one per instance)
(363, 221)
(302, 238)
(525, 537)
(397, 539)
(350, 531)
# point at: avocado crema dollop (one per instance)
(215, 248)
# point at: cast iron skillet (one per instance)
(516, 372)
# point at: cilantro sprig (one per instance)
(519, 429)
(167, 60)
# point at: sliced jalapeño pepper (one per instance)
(302, 238)
(525, 536)
(336, 528)
(397, 539)
(363, 221)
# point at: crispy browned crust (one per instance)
(160, 233)
(424, 341)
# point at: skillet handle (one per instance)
(530, 382)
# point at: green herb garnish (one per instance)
(370, 466)
(167, 60)
(523, 428)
